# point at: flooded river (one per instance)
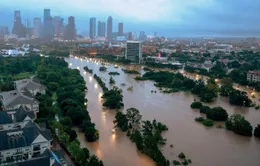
(205, 146)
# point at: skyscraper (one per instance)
(3, 31)
(48, 25)
(56, 26)
(70, 31)
(142, 36)
(109, 28)
(130, 36)
(37, 27)
(120, 29)
(62, 29)
(18, 27)
(92, 27)
(101, 29)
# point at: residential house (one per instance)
(24, 143)
(253, 76)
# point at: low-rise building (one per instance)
(24, 144)
(253, 76)
(15, 119)
(14, 99)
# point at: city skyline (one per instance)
(169, 18)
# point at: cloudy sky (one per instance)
(167, 17)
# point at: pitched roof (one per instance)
(12, 98)
(22, 137)
(42, 160)
(28, 84)
(5, 118)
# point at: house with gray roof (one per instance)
(24, 144)
(15, 119)
(29, 87)
(14, 99)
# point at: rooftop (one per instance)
(22, 137)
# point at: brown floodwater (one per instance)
(204, 146)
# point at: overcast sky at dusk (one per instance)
(167, 17)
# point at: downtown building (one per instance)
(120, 29)
(18, 27)
(133, 51)
(92, 28)
(70, 30)
(37, 28)
(3, 31)
(109, 28)
(101, 29)
(48, 25)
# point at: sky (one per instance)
(167, 17)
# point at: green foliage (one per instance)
(175, 162)
(199, 119)
(101, 83)
(138, 78)
(239, 125)
(93, 161)
(182, 155)
(147, 69)
(88, 70)
(114, 73)
(130, 71)
(69, 86)
(208, 123)
(196, 104)
(146, 137)
(121, 121)
(239, 98)
(160, 65)
(59, 53)
(66, 121)
(111, 80)
(217, 114)
(102, 68)
(204, 109)
(113, 98)
(257, 131)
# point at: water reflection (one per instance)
(90, 79)
(96, 86)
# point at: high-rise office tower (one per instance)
(109, 28)
(37, 28)
(133, 51)
(70, 31)
(27, 23)
(3, 31)
(101, 29)
(18, 27)
(92, 27)
(120, 29)
(47, 25)
(130, 36)
(62, 29)
(56, 26)
(142, 36)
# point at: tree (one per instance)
(204, 109)
(257, 131)
(217, 114)
(111, 80)
(121, 121)
(66, 121)
(239, 125)
(134, 118)
(196, 104)
(208, 123)
(64, 137)
(237, 97)
(93, 161)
